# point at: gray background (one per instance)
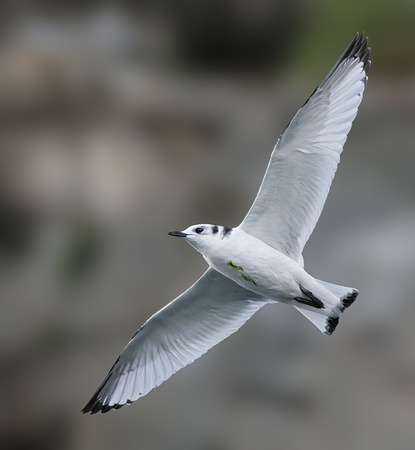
(122, 123)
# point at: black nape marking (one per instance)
(349, 300)
(214, 229)
(226, 232)
(332, 323)
(311, 299)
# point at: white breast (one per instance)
(256, 266)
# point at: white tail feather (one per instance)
(327, 324)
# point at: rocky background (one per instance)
(122, 121)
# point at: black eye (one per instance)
(199, 230)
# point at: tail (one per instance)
(327, 322)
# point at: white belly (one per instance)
(258, 267)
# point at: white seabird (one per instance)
(260, 261)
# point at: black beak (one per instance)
(179, 234)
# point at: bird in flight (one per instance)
(260, 261)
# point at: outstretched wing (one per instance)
(208, 312)
(305, 158)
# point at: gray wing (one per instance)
(208, 312)
(305, 158)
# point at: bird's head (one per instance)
(203, 237)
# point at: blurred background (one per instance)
(123, 120)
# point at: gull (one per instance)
(260, 261)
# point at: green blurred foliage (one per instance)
(389, 25)
(81, 251)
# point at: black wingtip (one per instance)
(95, 406)
(105, 408)
(95, 403)
(358, 48)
